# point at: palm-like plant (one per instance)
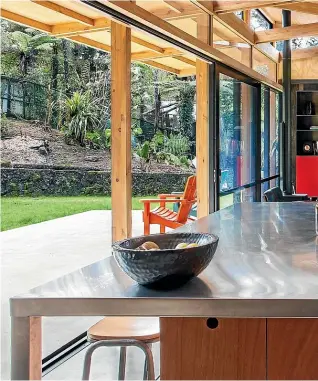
(82, 115)
(29, 45)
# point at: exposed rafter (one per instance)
(241, 5)
(91, 43)
(174, 5)
(75, 28)
(65, 11)
(185, 60)
(158, 65)
(168, 13)
(147, 44)
(71, 31)
(287, 33)
(303, 7)
(147, 55)
(148, 19)
(25, 21)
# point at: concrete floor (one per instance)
(35, 254)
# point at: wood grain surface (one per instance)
(292, 349)
(235, 350)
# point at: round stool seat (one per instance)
(145, 329)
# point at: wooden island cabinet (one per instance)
(239, 349)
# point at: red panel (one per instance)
(307, 175)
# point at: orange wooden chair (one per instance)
(165, 217)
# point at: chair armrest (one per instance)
(172, 195)
(158, 200)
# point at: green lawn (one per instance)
(22, 211)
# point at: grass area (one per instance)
(22, 211)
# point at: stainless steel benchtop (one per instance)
(266, 265)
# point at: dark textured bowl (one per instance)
(167, 268)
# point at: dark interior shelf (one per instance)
(308, 115)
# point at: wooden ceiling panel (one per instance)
(297, 17)
(104, 37)
(162, 9)
(79, 7)
(36, 12)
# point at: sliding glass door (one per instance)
(270, 142)
(237, 125)
(247, 148)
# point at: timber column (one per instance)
(121, 131)
(204, 141)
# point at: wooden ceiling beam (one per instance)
(221, 7)
(147, 44)
(91, 43)
(148, 19)
(160, 66)
(75, 28)
(148, 55)
(185, 60)
(303, 7)
(167, 13)
(65, 11)
(107, 48)
(22, 20)
(237, 26)
(287, 33)
(174, 5)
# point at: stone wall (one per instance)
(45, 182)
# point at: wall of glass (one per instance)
(248, 131)
(237, 145)
(270, 144)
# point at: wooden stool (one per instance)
(124, 332)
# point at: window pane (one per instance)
(269, 133)
(258, 21)
(237, 133)
(231, 44)
(274, 134)
(265, 132)
(264, 65)
(242, 195)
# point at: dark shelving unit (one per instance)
(307, 116)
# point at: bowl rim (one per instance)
(116, 245)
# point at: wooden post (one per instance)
(26, 348)
(121, 131)
(203, 142)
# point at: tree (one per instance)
(29, 45)
(186, 110)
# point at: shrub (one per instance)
(82, 115)
(94, 140)
(178, 145)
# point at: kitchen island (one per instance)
(252, 314)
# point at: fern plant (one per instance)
(28, 45)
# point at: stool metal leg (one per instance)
(122, 363)
(87, 362)
(119, 343)
(146, 365)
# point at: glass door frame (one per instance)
(220, 69)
